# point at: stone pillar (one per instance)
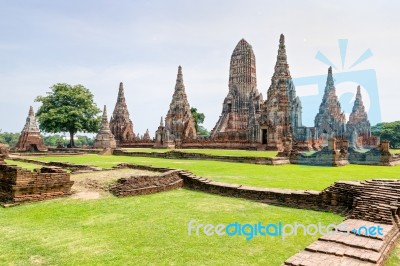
(385, 146)
(105, 139)
(332, 144)
(345, 144)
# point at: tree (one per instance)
(68, 108)
(199, 119)
(388, 131)
(8, 138)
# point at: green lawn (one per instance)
(148, 150)
(394, 259)
(147, 230)
(395, 151)
(243, 153)
(29, 166)
(283, 176)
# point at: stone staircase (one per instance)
(377, 203)
(348, 249)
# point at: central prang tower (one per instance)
(238, 107)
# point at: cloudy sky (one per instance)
(141, 43)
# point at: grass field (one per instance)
(149, 229)
(28, 166)
(240, 153)
(284, 176)
(146, 230)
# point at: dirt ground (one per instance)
(95, 185)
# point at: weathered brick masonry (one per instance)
(19, 185)
(143, 185)
(199, 156)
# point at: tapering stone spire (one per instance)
(121, 95)
(179, 121)
(330, 121)
(282, 109)
(120, 123)
(105, 139)
(358, 125)
(281, 66)
(162, 122)
(104, 120)
(358, 108)
(146, 136)
(179, 80)
(30, 139)
(242, 93)
(329, 81)
(31, 125)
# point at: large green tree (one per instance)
(198, 120)
(388, 131)
(68, 108)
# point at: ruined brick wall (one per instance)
(20, 185)
(339, 197)
(220, 144)
(331, 155)
(4, 150)
(375, 156)
(143, 185)
(199, 156)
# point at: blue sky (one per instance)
(141, 43)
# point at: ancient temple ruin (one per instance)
(120, 124)
(330, 121)
(146, 136)
(179, 122)
(281, 113)
(249, 122)
(163, 137)
(30, 139)
(4, 150)
(105, 139)
(358, 127)
(243, 100)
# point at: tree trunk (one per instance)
(71, 139)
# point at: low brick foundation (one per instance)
(19, 185)
(328, 156)
(199, 156)
(336, 198)
(375, 156)
(143, 185)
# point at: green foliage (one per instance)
(388, 131)
(203, 132)
(9, 138)
(56, 140)
(84, 141)
(69, 109)
(198, 120)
